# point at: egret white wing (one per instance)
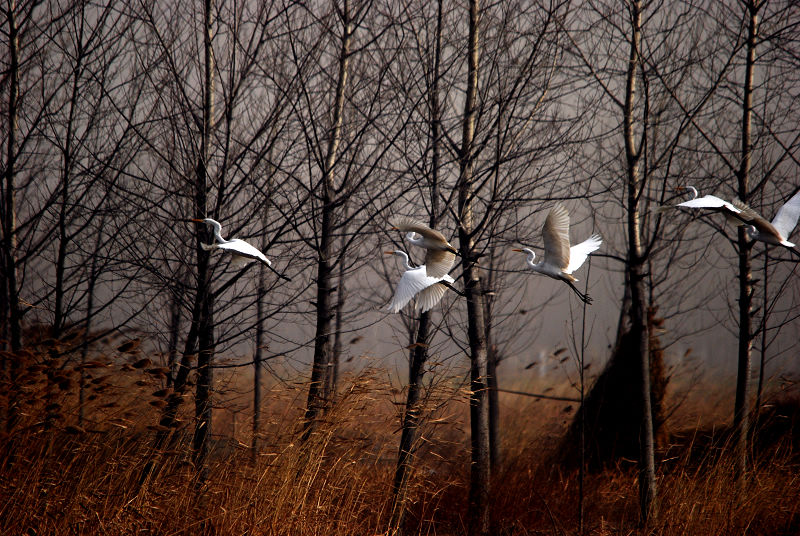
(709, 201)
(438, 262)
(430, 296)
(405, 223)
(411, 282)
(786, 218)
(579, 252)
(555, 235)
(244, 249)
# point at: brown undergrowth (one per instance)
(59, 478)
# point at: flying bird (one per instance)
(710, 202)
(415, 282)
(242, 252)
(776, 232)
(560, 260)
(440, 255)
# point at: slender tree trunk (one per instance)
(636, 275)
(174, 328)
(480, 472)
(257, 360)
(492, 360)
(405, 458)
(332, 375)
(322, 337)
(419, 356)
(741, 417)
(9, 220)
(205, 334)
(764, 318)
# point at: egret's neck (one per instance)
(531, 256)
(404, 256)
(218, 234)
(412, 237)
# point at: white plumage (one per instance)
(241, 251)
(710, 202)
(415, 282)
(776, 232)
(439, 256)
(560, 260)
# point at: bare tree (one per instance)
(322, 340)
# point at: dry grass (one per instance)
(60, 479)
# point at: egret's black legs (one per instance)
(585, 298)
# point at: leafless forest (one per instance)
(152, 385)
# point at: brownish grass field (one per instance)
(57, 478)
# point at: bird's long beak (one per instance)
(680, 188)
(517, 249)
(388, 252)
(198, 220)
(395, 229)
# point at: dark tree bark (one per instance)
(12, 321)
(478, 514)
(9, 199)
(741, 417)
(636, 272)
(258, 359)
(205, 337)
(419, 355)
(324, 316)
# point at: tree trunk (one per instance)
(741, 417)
(764, 318)
(14, 318)
(405, 457)
(205, 330)
(480, 472)
(636, 278)
(419, 355)
(332, 374)
(322, 337)
(257, 360)
(492, 360)
(174, 328)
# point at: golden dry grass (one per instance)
(57, 478)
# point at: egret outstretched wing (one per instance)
(579, 252)
(429, 297)
(786, 218)
(555, 235)
(440, 255)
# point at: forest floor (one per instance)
(60, 478)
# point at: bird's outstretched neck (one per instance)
(585, 298)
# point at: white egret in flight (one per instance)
(440, 254)
(560, 260)
(415, 282)
(710, 202)
(776, 232)
(242, 252)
